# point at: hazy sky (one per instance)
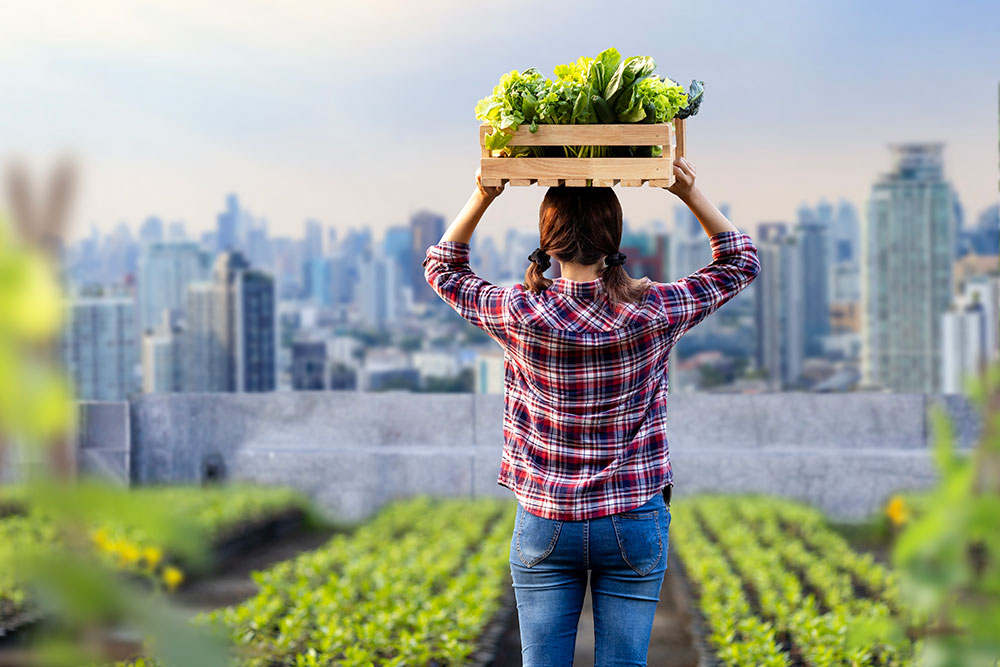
(360, 113)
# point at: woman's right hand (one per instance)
(684, 173)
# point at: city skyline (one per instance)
(174, 106)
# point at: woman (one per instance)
(585, 386)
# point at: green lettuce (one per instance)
(602, 89)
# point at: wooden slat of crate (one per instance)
(622, 134)
(662, 183)
(622, 168)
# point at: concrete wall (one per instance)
(353, 452)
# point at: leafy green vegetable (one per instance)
(695, 94)
(604, 89)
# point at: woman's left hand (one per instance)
(490, 193)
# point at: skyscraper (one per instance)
(963, 346)
(427, 229)
(230, 342)
(99, 348)
(378, 289)
(151, 231)
(162, 347)
(233, 226)
(165, 271)
(845, 270)
(779, 309)
(812, 232)
(909, 245)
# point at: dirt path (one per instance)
(232, 584)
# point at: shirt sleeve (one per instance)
(734, 265)
(447, 271)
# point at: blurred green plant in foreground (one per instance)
(90, 613)
(948, 554)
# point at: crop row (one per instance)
(792, 596)
(859, 574)
(219, 512)
(416, 585)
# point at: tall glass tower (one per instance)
(907, 247)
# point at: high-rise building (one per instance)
(176, 232)
(165, 271)
(233, 227)
(908, 249)
(986, 291)
(378, 289)
(319, 280)
(779, 308)
(99, 348)
(205, 353)
(312, 255)
(230, 343)
(845, 267)
(963, 346)
(398, 244)
(427, 229)
(690, 247)
(812, 233)
(162, 349)
(970, 337)
(314, 239)
(151, 231)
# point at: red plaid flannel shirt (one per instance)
(585, 380)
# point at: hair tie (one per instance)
(616, 259)
(541, 258)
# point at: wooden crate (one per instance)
(576, 172)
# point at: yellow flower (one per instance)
(153, 556)
(128, 552)
(101, 539)
(172, 577)
(896, 510)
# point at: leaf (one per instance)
(695, 95)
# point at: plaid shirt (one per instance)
(585, 379)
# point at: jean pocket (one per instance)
(536, 537)
(639, 539)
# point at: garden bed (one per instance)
(237, 518)
(775, 585)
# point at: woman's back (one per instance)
(586, 383)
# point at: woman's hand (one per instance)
(490, 193)
(684, 173)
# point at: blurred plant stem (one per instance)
(948, 556)
(86, 604)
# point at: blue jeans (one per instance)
(549, 561)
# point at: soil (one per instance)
(232, 583)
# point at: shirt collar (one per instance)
(584, 289)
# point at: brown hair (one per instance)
(582, 225)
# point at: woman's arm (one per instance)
(734, 265)
(465, 222)
(447, 270)
(711, 218)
